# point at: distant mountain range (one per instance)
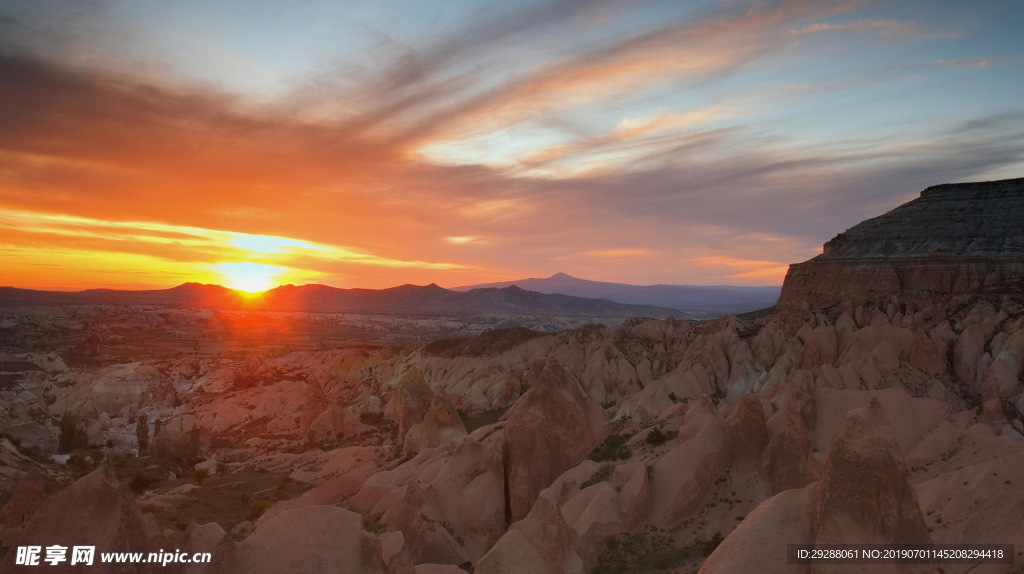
(695, 300)
(406, 299)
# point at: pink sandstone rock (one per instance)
(541, 543)
(865, 495)
(746, 433)
(550, 430)
(28, 494)
(441, 423)
(410, 400)
(90, 512)
(759, 542)
(682, 479)
(309, 539)
(449, 502)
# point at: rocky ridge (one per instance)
(954, 238)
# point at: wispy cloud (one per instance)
(159, 244)
(895, 27)
(771, 271)
(647, 134)
(618, 253)
(952, 63)
(463, 239)
(692, 50)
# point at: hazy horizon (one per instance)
(147, 144)
(159, 287)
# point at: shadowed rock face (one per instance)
(312, 539)
(682, 480)
(550, 430)
(90, 512)
(954, 238)
(865, 495)
(542, 543)
(27, 496)
(441, 424)
(411, 400)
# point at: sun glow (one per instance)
(269, 244)
(249, 277)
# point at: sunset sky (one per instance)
(373, 143)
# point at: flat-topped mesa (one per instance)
(954, 238)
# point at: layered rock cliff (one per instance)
(954, 238)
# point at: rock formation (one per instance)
(541, 543)
(448, 502)
(28, 494)
(683, 478)
(410, 400)
(755, 544)
(90, 512)
(865, 495)
(550, 430)
(441, 423)
(309, 539)
(954, 238)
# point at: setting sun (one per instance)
(249, 277)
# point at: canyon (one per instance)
(881, 401)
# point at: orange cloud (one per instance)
(634, 127)
(463, 239)
(773, 271)
(773, 275)
(632, 137)
(118, 181)
(152, 248)
(619, 253)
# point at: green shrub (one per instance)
(81, 464)
(255, 509)
(142, 433)
(143, 480)
(709, 546)
(373, 524)
(613, 448)
(657, 437)
(72, 434)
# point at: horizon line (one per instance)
(511, 283)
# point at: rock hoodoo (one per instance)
(865, 495)
(550, 430)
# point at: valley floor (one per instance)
(307, 442)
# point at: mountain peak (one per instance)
(194, 286)
(561, 275)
